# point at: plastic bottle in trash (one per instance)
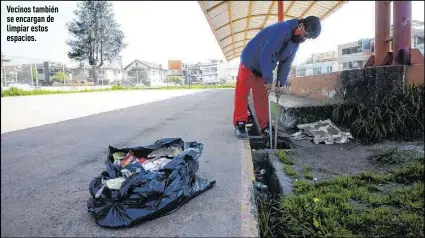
(260, 186)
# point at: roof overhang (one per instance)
(234, 23)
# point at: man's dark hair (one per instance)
(312, 26)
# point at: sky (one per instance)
(158, 31)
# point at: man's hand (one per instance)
(272, 88)
(269, 87)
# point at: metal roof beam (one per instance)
(234, 33)
(308, 9)
(234, 49)
(332, 9)
(235, 43)
(289, 8)
(229, 9)
(216, 6)
(268, 14)
(243, 18)
(247, 22)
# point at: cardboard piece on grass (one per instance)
(322, 131)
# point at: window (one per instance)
(301, 72)
(350, 65)
(344, 51)
(329, 68)
(344, 65)
(153, 72)
(360, 63)
(40, 71)
(419, 41)
(317, 71)
(356, 49)
(214, 70)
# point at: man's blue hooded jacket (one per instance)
(271, 45)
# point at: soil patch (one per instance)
(332, 161)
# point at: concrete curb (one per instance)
(249, 224)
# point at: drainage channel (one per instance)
(267, 187)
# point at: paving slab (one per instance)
(46, 170)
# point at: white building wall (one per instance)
(157, 77)
(112, 75)
(313, 68)
(210, 72)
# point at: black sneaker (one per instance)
(240, 131)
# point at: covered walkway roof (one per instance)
(234, 23)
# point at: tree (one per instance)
(60, 77)
(97, 36)
(175, 80)
(34, 73)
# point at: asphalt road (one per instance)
(46, 170)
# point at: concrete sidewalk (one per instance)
(24, 112)
(46, 170)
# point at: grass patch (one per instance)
(268, 216)
(307, 173)
(400, 115)
(284, 158)
(289, 170)
(13, 91)
(385, 157)
(368, 204)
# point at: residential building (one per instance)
(106, 74)
(210, 72)
(110, 74)
(145, 73)
(192, 73)
(320, 63)
(227, 73)
(355, 54)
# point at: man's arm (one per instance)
(267, 58)
(284, 68)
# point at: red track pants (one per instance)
(244, 82)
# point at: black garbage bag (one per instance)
(147, 195)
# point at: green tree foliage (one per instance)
(96, 36)
(34, 73)
(60, 77)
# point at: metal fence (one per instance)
(32, 72)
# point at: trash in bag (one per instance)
(146, 182)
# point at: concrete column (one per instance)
(402, 30)
(382, 30)
(280, 11)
